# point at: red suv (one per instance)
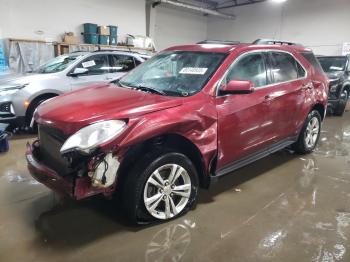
(189, 114)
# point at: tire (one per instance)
(340, 109)
(30, 114)
(138, 187)
(307, 141)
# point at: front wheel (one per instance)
(162, 186)
(310, 134)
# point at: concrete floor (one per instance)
(282, 208)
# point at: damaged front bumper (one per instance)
(77, 187)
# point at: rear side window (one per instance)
(309, 56)
(122, 63)
(285, 68)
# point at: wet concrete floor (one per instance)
(285, 207)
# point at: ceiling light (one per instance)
(278, 1)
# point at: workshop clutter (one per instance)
(103, 35)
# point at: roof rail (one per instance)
(273, 42)
(118, 50)
(219, 42)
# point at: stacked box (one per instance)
(90, 33)
(3, 64)
(104, 40)
(113, 39)
(113, 30)
(103, 30)
(90, 28)
(91, 39)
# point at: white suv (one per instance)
(21, 95)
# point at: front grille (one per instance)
(51, 141)
(5, 110)
(5, 107)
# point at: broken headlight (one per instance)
(89, 137)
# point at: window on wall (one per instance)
(285, 68)
(96, 65)
(250, 67)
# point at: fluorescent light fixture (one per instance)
(278, 1)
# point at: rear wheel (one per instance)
(340, 109)
(310, 133)
(162, 186)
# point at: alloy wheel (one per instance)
(312, 132)
(167, 191)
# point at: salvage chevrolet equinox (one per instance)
(186, 116)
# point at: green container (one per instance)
(113, 40)
(90, 28)
(91, 39)
(113, 30)
(103, 39)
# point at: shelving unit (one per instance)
(63, 48)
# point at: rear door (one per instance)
(242, 125)
(286, 94)
(98, 67)
(120, 65)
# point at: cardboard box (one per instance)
(70, 39)
(103, 30)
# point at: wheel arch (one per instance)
(37, 99)
(175, 142)
(320, 108)
(346, 87)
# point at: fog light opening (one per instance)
(103, 170)
(12, 110)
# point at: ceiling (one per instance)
(208, 7)
(224, 4)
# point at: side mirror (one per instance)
(238, 87)
(78, 71)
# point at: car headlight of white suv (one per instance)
(90, 137)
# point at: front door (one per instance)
(243, 118)
(97, 71)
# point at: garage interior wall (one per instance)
(322, 25)
(174, 26)
(48, 19)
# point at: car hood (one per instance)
(23, 79)
(334, 75)
(74, 110)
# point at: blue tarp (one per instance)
(3, 63)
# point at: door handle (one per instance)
(267, 99)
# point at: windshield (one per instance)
(57, 64)
(331, 64)
(176, 73)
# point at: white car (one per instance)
(21, 95)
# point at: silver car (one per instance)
(21, 95)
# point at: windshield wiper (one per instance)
(149, 89)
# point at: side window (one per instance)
(309, 56)
(301, 70)
(250, 67)
(96, 65)
(284, 67)
(122, 63)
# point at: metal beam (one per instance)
(203, 10)
(237, 3)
